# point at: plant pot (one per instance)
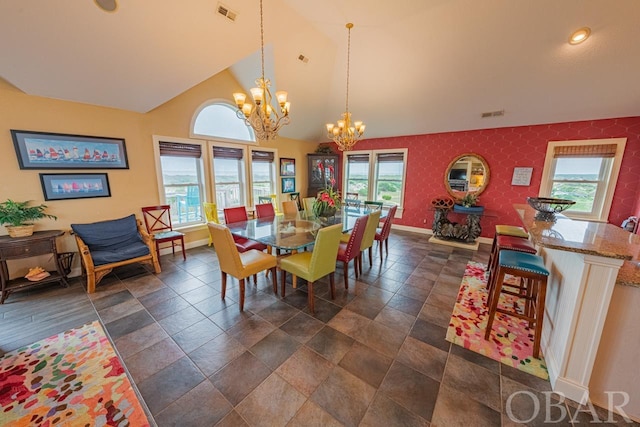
(20, 230)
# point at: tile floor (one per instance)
(374, 356)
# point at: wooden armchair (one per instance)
(108, 244)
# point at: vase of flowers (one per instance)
(327, 203)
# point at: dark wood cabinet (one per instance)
(40, 243)
(324, 171)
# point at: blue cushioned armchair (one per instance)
(108, 244)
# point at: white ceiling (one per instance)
(417, 66)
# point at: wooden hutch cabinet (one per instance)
(324, 171)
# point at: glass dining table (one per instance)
(294, 233)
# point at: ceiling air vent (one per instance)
(303, 58)
(226, 12)
(492, 114)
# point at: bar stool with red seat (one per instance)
(529, 269)
(510, 243)
(505, 230)
(239, 214)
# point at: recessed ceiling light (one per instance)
(580, 35)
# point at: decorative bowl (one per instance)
(548, 206)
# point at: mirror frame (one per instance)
(459, 194)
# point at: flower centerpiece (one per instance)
(467, 204)
(327, 202)
(469, 199)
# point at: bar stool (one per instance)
(505, 230)
(510, 243)
(531, 272)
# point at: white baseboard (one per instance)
(188, 245)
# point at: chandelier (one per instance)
(265, 120)
(345, 134)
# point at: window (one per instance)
(263, 175)
(182, 181)
(585, 172)
(229, 176)
(218, 119)
(376, 175)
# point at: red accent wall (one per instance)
(504, 149)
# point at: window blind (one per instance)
(390, 157)
(227, 153)
(180, 149)
(603, 150)
(358, 158)
(262, 156)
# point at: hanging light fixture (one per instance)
(265, 120)
(345, 134)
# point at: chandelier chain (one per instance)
(261, 41)
(348, 63)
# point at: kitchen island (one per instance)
(589, 338)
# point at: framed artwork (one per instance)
(63, 186)
(40, 150)
(288, 185)
(287, 167)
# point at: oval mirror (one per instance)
(467, 173)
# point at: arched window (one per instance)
(217, 119)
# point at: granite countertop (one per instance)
(586, 237)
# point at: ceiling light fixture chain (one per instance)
(345, 134)
(265, 120)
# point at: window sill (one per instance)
(190, 227)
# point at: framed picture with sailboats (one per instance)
(44, 150)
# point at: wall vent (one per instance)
(227, 13)
(303, 58)
(492, 114)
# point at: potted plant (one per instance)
(17, 217)
(327, 202)
(467, 204)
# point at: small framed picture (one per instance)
(287, 167)
(288, 185)
(63, 186)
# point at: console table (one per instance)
(40, 243)
(467, 232)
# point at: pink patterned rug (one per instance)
(73, 379)
(511, 341)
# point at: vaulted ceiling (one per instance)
(417, 66)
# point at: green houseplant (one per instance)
(327, 202)
(18, 217)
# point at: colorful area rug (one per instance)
(71, 379)
(511, 341)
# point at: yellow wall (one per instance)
(130, 189)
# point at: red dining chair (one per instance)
(382, 236)
(351, 250)
(265, 210)
(243, 244)
(157, 219)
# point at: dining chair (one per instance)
(351, 196)
(157, 220)
(314, 265)
(239, 214)
(352, 203)
(264, 199)
(307, 202)
(211, 215)
(370, 204)
(265, 210)
(296, 198)
(290, 208)
(237, 264)
(382, 236)
(368, 238)
(351, 250)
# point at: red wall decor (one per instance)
(505, 149)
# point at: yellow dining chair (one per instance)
(211, 215)
(239, 265)
(290, 208)
(307, 203)
(313, 266)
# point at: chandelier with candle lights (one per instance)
(346, 133)
(265, 120)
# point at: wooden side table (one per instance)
(40, 243)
